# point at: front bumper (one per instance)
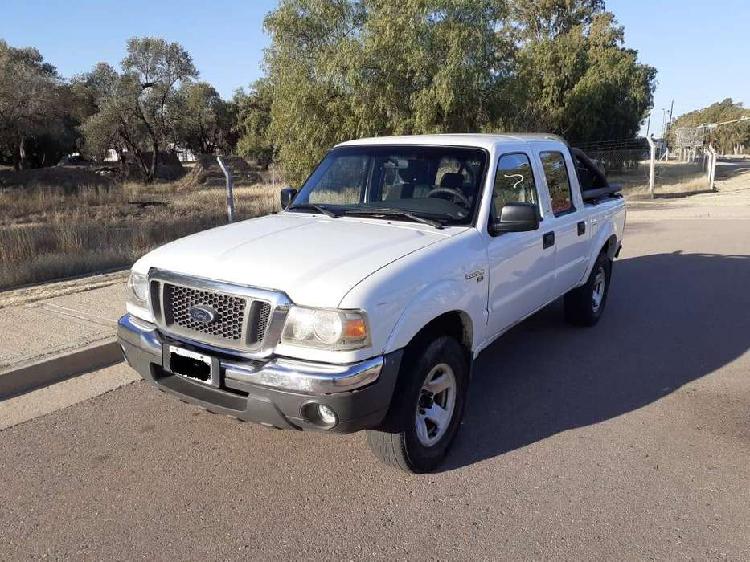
(276, 392)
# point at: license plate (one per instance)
(190, 364)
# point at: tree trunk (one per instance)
(145, 166)
(21, 162)
(121, 161)
(154, 160)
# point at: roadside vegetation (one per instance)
(732, 137)
(51, 232)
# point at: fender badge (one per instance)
(478, 275)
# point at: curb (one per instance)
(63, 366)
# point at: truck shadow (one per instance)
(670, 319)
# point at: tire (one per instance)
(585, 305)
(410, 440)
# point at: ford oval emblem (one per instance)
(203, 314)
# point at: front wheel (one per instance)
(584, 305)
(430, 413)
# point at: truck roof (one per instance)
(480, 140)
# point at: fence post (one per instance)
(230, 185)
(712, 168)
(652, 165)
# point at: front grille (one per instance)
(230, 311)
(230, 317)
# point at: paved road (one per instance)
(631, 440)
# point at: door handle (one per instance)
(548, 240)
(581, 228)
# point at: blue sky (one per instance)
(701, 54)
(224, 37)
(701, 49)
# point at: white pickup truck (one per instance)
(363, 304)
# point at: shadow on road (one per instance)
(671, 319)
(682, 194)
(729, 167)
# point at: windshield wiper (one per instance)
(388, 212)
(313, 207)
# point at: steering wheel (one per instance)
(456, 193)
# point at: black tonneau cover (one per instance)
(593, 194)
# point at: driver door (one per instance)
(521, 269)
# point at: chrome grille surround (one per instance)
(249, 320)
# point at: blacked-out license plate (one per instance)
(190, 364)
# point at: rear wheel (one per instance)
(424, 423)
(584, 305)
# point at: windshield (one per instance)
(408, 182)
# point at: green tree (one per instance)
(581, 83)
(118, 122)
(253, 122)
(202, 121)
(732, 121)
(32, 103)
(340, 69)
(137, 109)
(158, 67)
(545, 19)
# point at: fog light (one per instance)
(327, 415)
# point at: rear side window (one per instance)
(514, 182)
(558, 181)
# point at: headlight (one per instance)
(138, 289)
(325, 328)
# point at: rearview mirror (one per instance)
(516, 217)
(287, 196)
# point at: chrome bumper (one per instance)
(278, 373)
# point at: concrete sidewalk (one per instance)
(67, 318)
(53, 321)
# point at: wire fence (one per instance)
(629, 163)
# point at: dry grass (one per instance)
(51, 232)
(672, 178)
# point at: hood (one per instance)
(315, 260)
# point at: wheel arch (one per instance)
(455, 323)
(606, 241)
(610, 247)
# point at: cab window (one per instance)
(558, 182)
(514, 182)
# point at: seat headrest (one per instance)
(414, 172)
(452, 180)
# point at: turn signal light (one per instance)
(355, 328)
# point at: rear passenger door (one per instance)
(521, 269)
(571, 233)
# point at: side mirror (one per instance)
(516, 217)
(287, 196)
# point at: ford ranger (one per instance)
(363, 304)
